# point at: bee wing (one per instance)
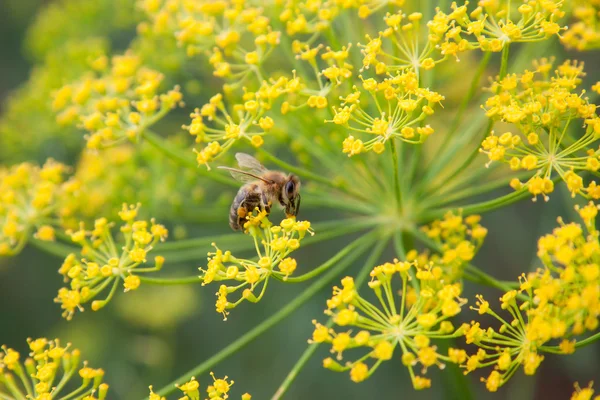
(247, 162)
(243, 176)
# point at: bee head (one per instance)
(290, 195)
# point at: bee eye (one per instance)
(289, 188)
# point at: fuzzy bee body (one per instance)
(247, 199)
(263, 188)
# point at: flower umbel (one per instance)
(459, 238)
(408, 323)
(387, 110)
(106, 261)
(115, 103)
(493, 24)
(554, 303)
(277, 242)
(544, 108)
(44, 374)
(29, 197)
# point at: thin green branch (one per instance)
(477, 208)
(57, 249)
(458, 118)
(171, 281)
(358, 243)
(397, 190)
(473, 191)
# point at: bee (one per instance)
(262, 188)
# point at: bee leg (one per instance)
(265, 204)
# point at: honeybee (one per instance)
(262, 189)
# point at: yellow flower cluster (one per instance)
(108, 262)
(585, 393)
(492, 24)
(407, 50)
(45, 373)
(245, 121)
(392, 109)
(316, 16)
(584, 33)
(544, 108)
(555, 303)
(29, 197)
(220, 126)
(571, 255)
(217, 391)
(116, 102)
(517, 341)
(459, 240)
(277, 242)
(409, 323)
(220, 29)
(337, 71)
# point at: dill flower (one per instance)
(106, 261)
(584, 394)
(459, 240)
(245, 121)
(584, 33)
(570, 280)
(553, 303)
(29, 198)
(493, 24)
(116, 102)
(390, 109)
(543, 108)
(517, 342)
(406, 50)
(44, 374)
(218, 390)
(408, 323)
(276, 241)
(218, 29)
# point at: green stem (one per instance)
(57, 249)
(504, 61)
(477, 208)
(171, 281)
(465, 102)
(360, 243)
(396, 174)
(183, 159)
(274, 319)
(311, 349)
(472, 191)
(463, 105)
(469, 160)
(582, 343)
(588, 340)
(475, 275)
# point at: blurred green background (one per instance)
(155, 334)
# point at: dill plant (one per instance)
(357, 98)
